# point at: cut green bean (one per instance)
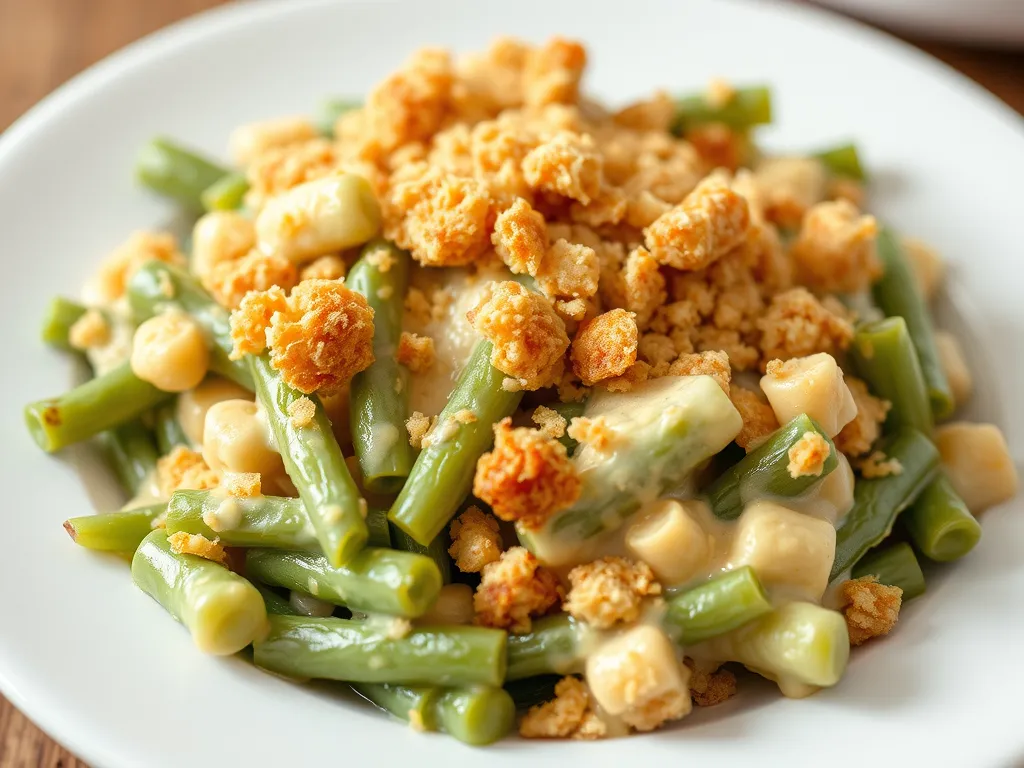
(477, 716)
(313, 461)
(378, 399)
(156, 286)
(550, 647)
(765, 471)
(878, 500)
(114, 531)
(530, 691)
(437, 550)
(442, 476)
(276, 605)
(223, 611)
(893, 565)
(376, 581)
(175, 172)
(330, 111)
(225, 194)
(718, 606)
(60, 315)
(132, 453)
(90, 408)
(167, 428)
(843, 161)
(746, 108)
(897, 294)
(367, 652)
(939, 523)
(260, 521)
(379, 528)
(884, 356)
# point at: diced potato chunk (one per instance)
(786, 549)
(668, 537)
(813, 385)
(951, 356)
(977, 462)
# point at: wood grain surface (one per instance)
(45, 42)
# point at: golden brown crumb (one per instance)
(89, 331)
(711, 221)
(520, 238)
(243, 485)
(230, 281)
(797, 325)
(713, 364)
(415, 352)
(709, 687)
(654, 713)
(635, 375)
(465, 416)
(529, 338)
(476, 540)
(196, 544)
(184, 469)
(718, 145)
(835, 250)
(609, 591)
(842, 188)
(593, 432)
(319, 337)
(278, 169)
(569, 714)
(877, 465)
(568, 164)
(418, 426)
(513, 590)
(117, 268)
(857, 437)
(418, 305)
(411, 104)
(871, 609)
(643, 285)
(301, 412)
(807, 456)
(550, 421)
(569, 269)
(653, 114)
(758, 418)
(789, 187)
(551, 73)
(381, 259)
(605, 346)
(329, 267)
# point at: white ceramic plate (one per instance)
(103, 669)
(993, 22)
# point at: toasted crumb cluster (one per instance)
(807, 456)
(229, 281)
(877, 465)
(514, 590)
(609, 591)
(116, 270)
(710, 686)
(301, 412)
(593, 432)
(713, 364)
(529, 338)
(196, 544)
(184, 469)
(520, 238)
(796, 324)
(857, 437)
(605, 346)
(329, 267)
(89, 331)
(835, 250)
(418, 425)
(476, 540)
(790, 186)
(550, 421)
(758, 418)
(871, 609)
(319, 336)
(569, 715)
(415, 352)
(242, 485)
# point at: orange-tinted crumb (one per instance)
(184, 469)
(329, 267)
(120, 265)
(196, 544)
(476, 540)
(871, 609)
(278, 169)
(301, 412)
(835, 250)
(609, 591)
(570, 714)
(710, 687)
(593, 432)
(857, 437)
(713, 364)
(718, 145)
(568, 164)
(789, 186)
(551, 73)
(520, 238)
(605, 346)
(877, 465)
(415, 352)
(643, 285)
(569, 269)
(243, 485)
(411, 104)
(250, 321)
(550, 421)
(514, 590)
(89, 331)
(796, 324)
(758, 418)
(807, 456)
(230, 281)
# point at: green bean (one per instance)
(114, 531)
(367, 652)
(276, 605)
(330, 111)
(939, 523)
(437, 550)
(477, 716)
(530, 691)
(60, 315)
(313, 461)
(173, 171)
(765, 471)
(893, 565)
(223, 611)
(378, 399)
(132, 454)
(261, 521)
(225, 194)
(155, 286)
(167, 428)
(376, 581)
(442, 475)
(90, 408)
(797, 645)
(748, 107)
(718, 606)
(897, 294)
(884, 356)
(842, 160)
(551, 646)
(379, 528)
(878, 500)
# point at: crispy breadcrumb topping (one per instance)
(117, 269)
(418, 425)
(551, 74)
(514, 590)
(807, 456)
(871, 609)
(569, 270)
(415, 352)
(184, 469)
(605, 346)
(476, 540)
(571, 714)
(796, 324)
(229, 281)
(89, 331)
(242, 485)
(520, 238)
(789, 187)
(527, 477)
(301, 412)
(835, 250)
(877, 464)
(758, 418)
(196, 544)
(329, 267)
(609, 591)
(857, 437)
(709, 686)
(593, 432)
(550, 421)
(713, 364)
(411, 104)
(568, 164)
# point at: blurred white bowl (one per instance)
(994, 22)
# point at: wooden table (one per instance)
(44, 42)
